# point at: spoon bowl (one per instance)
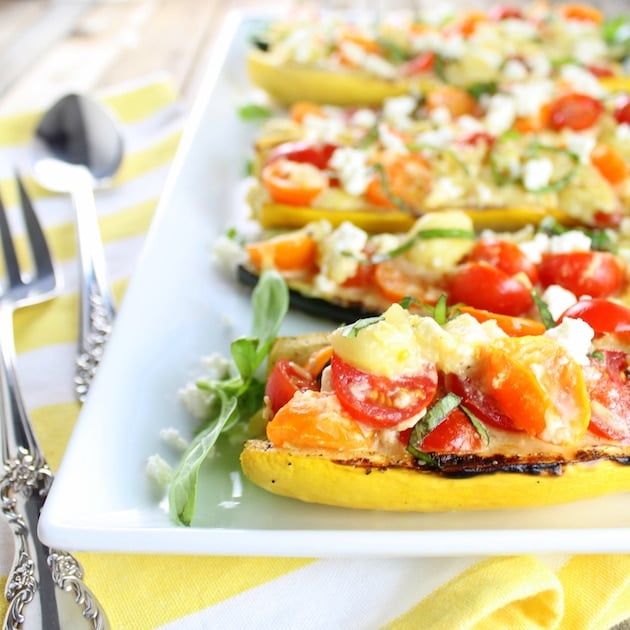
(77, 149)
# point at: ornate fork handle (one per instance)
(97, 310)
(37, 569)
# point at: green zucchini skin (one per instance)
(323, 309)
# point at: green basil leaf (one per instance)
(253, 112)
(421, 235)
(436, 414)
(543, 309)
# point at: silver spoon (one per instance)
(78, 147)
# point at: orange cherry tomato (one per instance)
(396, 283)
(316, 420)
(300, 110)
(597, 274)
(295, 251)
(574, 111)
(610, 163)
(407, 180)
(538, 385)
(581, 11)
(293, 183)
(456, 100)
(510, 325)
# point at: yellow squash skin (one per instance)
(288, 83)
(273, 215)
(314, 478)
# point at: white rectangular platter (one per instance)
(178, 308)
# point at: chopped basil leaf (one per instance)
(440, 312)
(424, 235)
(543, 309)
(477, 90)
(436, 414)
(597, 355)
(353, 331)
(477, 424)
(237, 396)
(253, 111)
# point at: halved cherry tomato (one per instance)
(534, 122)
(316, 420)
(483, 286)
(575, 111)
(424, 62)
(597, 274)
(304, 152)
(622, 110)
(455, 434)
(364, 276)
(504, 255)
(609, 391)
(465, 25)
(476, 137)
(286, 378)
(581, 11)
(607, 219)
(603, 316)
(481, 405)
(503, 12)
(456, 100)
(295, 251)
(599, 71)
(509, 324)
(379, 401)
(538, 385)
(293, 183)
(407, 178)
(396, 283)
(610, 163)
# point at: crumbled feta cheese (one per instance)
(529, 97)
(435, 138)
(440, 116)
(558, 299)
(398, 109)
(323, 128)
(228, 254)
(589, 49)
(352, 168)
(364, 117)
(536, 247)
(623, 132)
(173, 438)
(580, 143)
(575, 336)
(582, 80)
(196, 401)
(514, 70)
(391, 140)
(537, 173)
(571, 241)
(469, 124)
(375, 64)
(500, 114)
(159, 470)
(341, 251)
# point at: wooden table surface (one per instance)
(51, 47)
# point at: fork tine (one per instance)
(39, 246)
(10, 257)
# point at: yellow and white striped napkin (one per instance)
(142, 592)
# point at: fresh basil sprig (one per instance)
(236, 397)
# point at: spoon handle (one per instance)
(96, 305)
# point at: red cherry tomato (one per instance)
(481, 405)
(303, 152)
(622, 110)
(599, 71)
(603, 316)
(455, 434)
(575, 111)
(379, 401)
(597, 274)
(284, 380)
(483, 286)
(504, 255)
(504, 12)
(608, 388)
(419, 65)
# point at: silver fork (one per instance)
(45, 587)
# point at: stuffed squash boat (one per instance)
(328, 58)
(508, 154)
(344, 273)
(432, 412)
